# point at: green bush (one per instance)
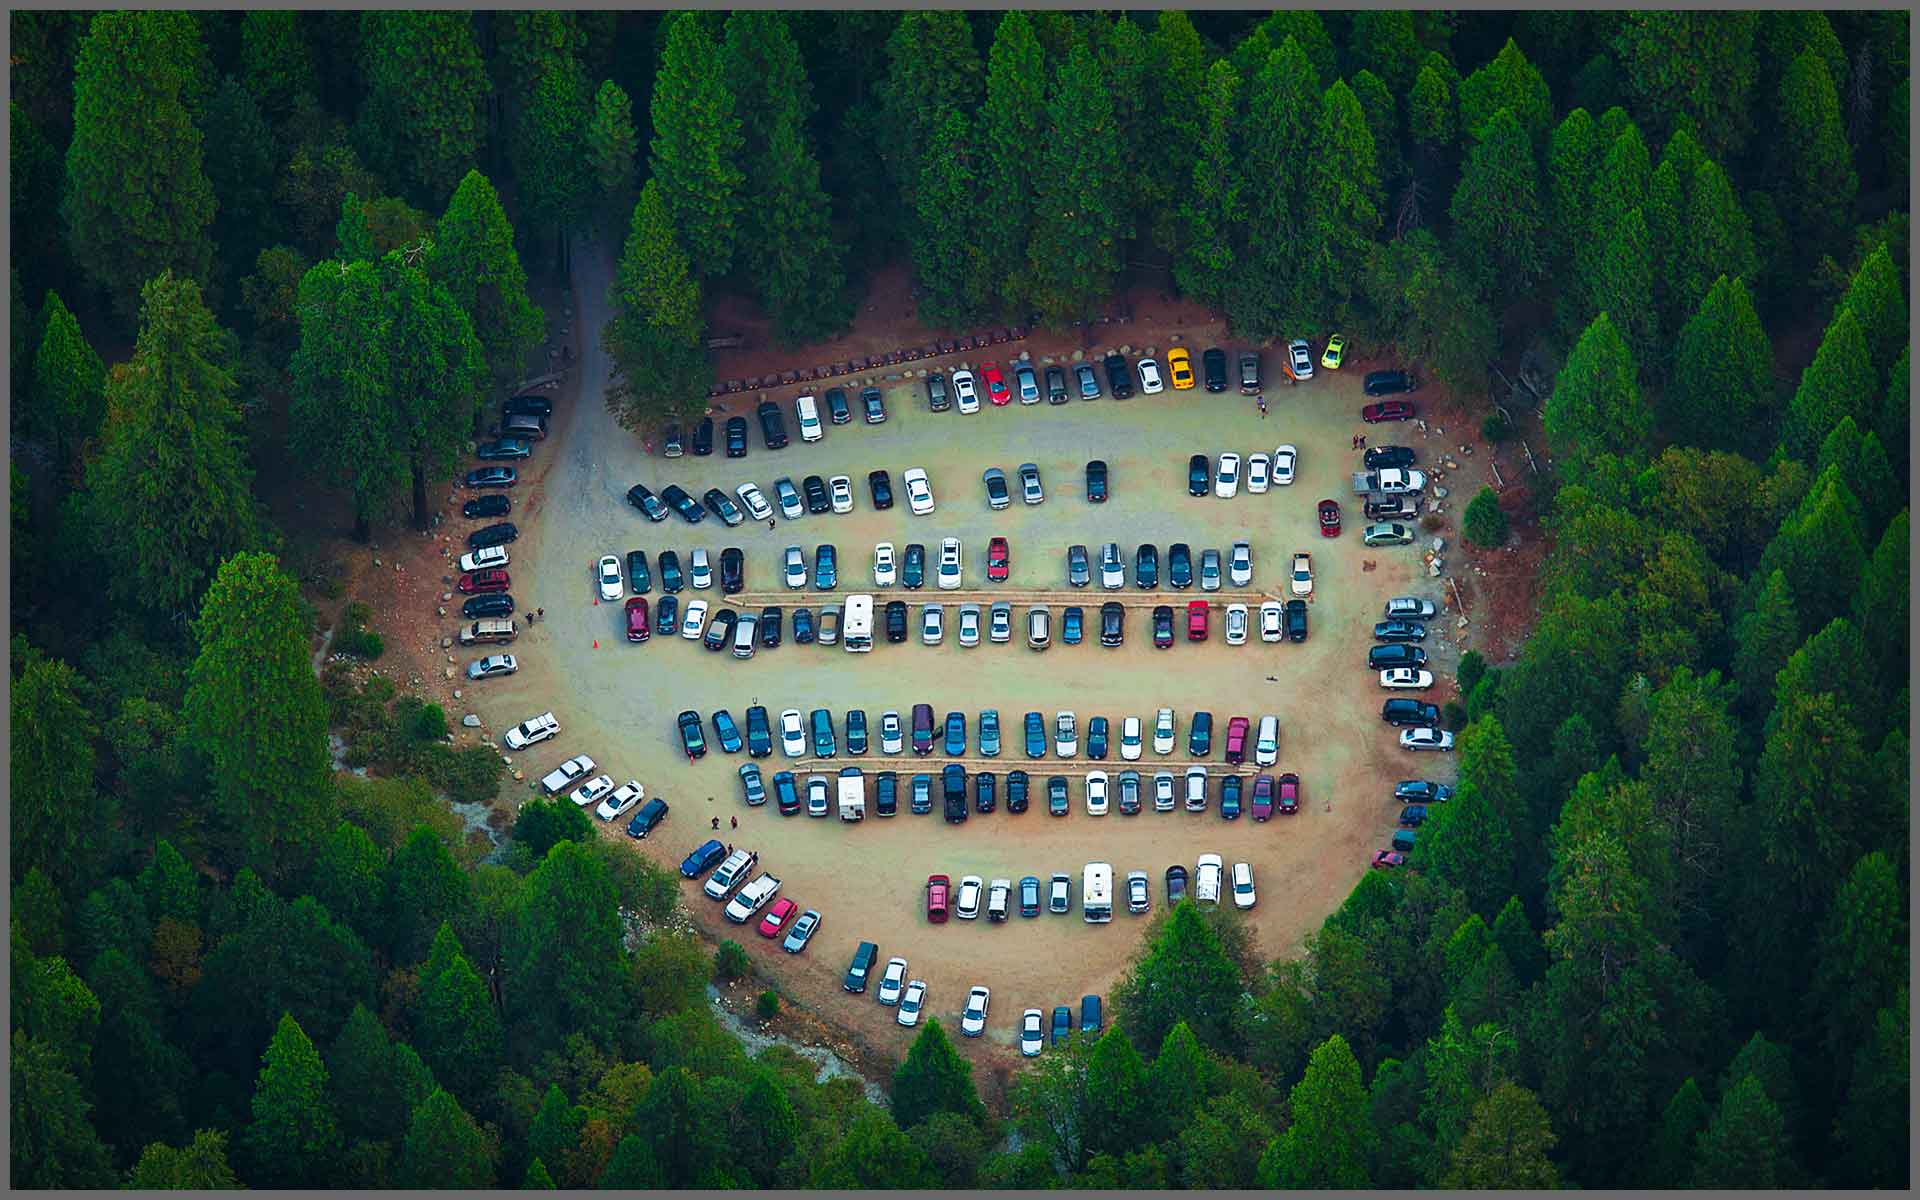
(1473, 668)
(768, 1006)
(471, 774)
(1495, 427)
(730, 962)
(1454, 715)
(542, 824)
(353, 637)
(423, 722)
(1485, 523)
(1481, 700)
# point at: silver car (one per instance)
(1000, 622)
(1240, 564)
(796, 568)
(1113, 569)
(1209, 570)
(969, 630)
(1077, 573)
(1030, 489)
(932, 628)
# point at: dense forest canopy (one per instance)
(1658, 938)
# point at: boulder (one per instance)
(1439, 544)
(470, 721)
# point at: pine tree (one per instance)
(1468, 843)
(564, 955)
(1873, 1127)
(1506, 1145)
(948, 268)
(1512, 83)
(1176, 82)
(1342, 203)
(696, 147)
(1011, 129)
(1309, 33)
(1694, 67)
(1573, 162)
(376, 1082)
(241, 158)
(632, 1165)
(613, 147)
(456, 1028)
(656, 338)
(1210, 207)
(276, 61)
(201, 1165)
(137, 202)
(1765, 635)
(1485, 523)
(1717, 238)
(426, 86)
(1880, 603)
(1596, 406)
(68, 396)
(933, 1079)
(1863, 953)
(1890, 418)
(1619, 186)
(1622, 286)
(556, 1127)
(473, 256)
(1876, 301)
(342, 412)
(1745, 1145)
(803, 279)
(1495, 210)
(548, 143)
(1811, 166)
(253, 707)
(1282, 109)
(1124, 52)
(444, 1148)
(932, 67)
(1385, 43)
(1432, 115)
(1074, 255)
(1185, 975)
(293, 1139)
(1331, 1136)
(52, 759)
(1383, 121)
(53, 1143)
(1836, 384)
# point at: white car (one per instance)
(484, 558)
(965, 394)
(1271, 615)
(1163, 799)
(1243, 897)
(884, 569)
(700, 569)
(613, 584)
(755, 501)
(1032, 1033)
(695, 621)
(966, 901)
(1113, 569)
(919, 491)
(932, 625)
(816, 796)
(968, 630)
(1236, 624)
(1096, 793)
(1163, 731)
(1000, 622)
(1066, 736)
(1410, 678)
(1226, 479)
(1425, 739)
(1410, 608)
(793, 734)
(1285, 459)
(629, 794)
(593, 790)
(841, 489)
(893, 981)
(891, 740)
(1301, 358)
(949, 573)
(1150, 377)
(796, 568)
(973, 1018)
(1196, 800)
(1240, 564)
(1266, 742)
(491, 665)
(791, 506)
(564, 774)
(1259, 473)
(531, 731)
(1130, 739)
(1206, 880)
(1300, 580)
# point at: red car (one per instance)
(1387, 410)
(637, 628)
(1163, 627)
(1289, 794)
(1237, 729)
(999, 563)
(493, 579)
(1329, 519)
(938, 887)
(777, 917)
(1262, 797)
(996, 384)
(1383, 859)
(1197, 621)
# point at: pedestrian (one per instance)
(769, 522)
(716, 823)
(1363, 441)
(729, 847)
(542, 613)
(735, 822)
(529, 618)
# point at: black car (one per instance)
(1097, 731)
(646, 502)
(1421, 791)
(1230, 788)
(493, 535)
(881, 488)
(886, 794)
(803, 626)
(1057, 795)
(493, 477)
(837, 410)
(1403, 710)
(528, 404)
(736, 437)
(494, 604)
(1380, 658)
(773, 427)
(1018, 785)
(1213, 367)
(1176, 884)
(721, 505)
(1162, 626)
(1146, 566)
(1112, 623)
(1180, 565)
(786, 793)
(1078, 572)
(1296, 620)
(1198, 475)
(671, 579)
(953, 790)
(639, 578)
(815, 489)
(770, 626)
(857, 731)
(1097, 481)
(486, 506)
(896, 621)
(1378, 457)
(759, 734)
(703, 437)
(1399, 631)
(733, 570)
(677, 498)
(913, 566)
(1119, 376)
(693, 738)
(666, 613)
(719, 633)
(1056, 386)
(1389, 383)
(1200, 735)
(873, 408)
(984, 785)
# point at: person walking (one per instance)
(769, 522)
(734, 822)
(541, 612)
(716, 823)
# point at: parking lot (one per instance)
(618, 701)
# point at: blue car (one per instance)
(1097, 738)
(823, 746)
(727, 731)
(990, 732)
(750, 780)
(1230, 797)
(1073, 625)
(857, 731)
(1036, 736)
(826, 569)
(705, 859)
(956, 734)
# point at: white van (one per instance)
(856, 629)
(744, 630)
(1266, 747)
(1096, 893)
(807, 412)
(853, 794)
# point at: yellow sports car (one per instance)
(1180, 367)
(1336, 346)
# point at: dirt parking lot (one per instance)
(617, 702)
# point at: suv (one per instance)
(772, 426)
(1213, 368)
(1388, 383)
(1403, 710)
(1119, 377)
(938, 398)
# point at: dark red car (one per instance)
(1329, 519)
(996, 384)
(1197, 621)
(1289, 794)
(999, 562)
(638, 628)
(1262, 797)
(479, 583)
(1383, 859)
(937, 888)
(1162, 626)
(1387, 410)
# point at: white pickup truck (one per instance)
(750, 898)
(1389, 481)
(574, 768)
(532, 730)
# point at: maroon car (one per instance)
(1262, 797)
(638, 629)
(479, 583)
(1387, 410)
(1289, 794)
(1329, 519)
(1384, 859)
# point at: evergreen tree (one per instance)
(292, 1139)
(556, 1127)
(199, 1166)
(420, 124)
(1596, 407)
(1509, 81)
(241, 158)
(137, 202)
(633, 1165)
(170, 887)
(657, 336)
(1811, 166)
(1210, 208)
(873, 1153)
(1330, 1138)
(1766, 634)
(1125, 52)
(1619, 186)
(1181, 1075)
(1723, 372)
(1309, 33)
(1383, 122)
(803, 278)
(564, 954)
(1835, 385)
(455, 1026)
(1074, 255)
(1695, 68)
(1176, 82)
(549, 140)
(1715, 239)
(343, 402)
(1117, 1097)
(1342, 203)
(1012, 128)
(424, 889)
(276, 61)
(1622, 286)
(1873, 1128)
(1485, 523)
(932, 1079)
(445, 1148)
(696, 147)
(539, 1180)
(1385, 43)
(1863, 954)
(1745, 1145)
(1880, 603)
(1890, 417)
(439, 375)
(1506, 1145)
(613, 147)
(1685, 1117)
(55, 810)
(1877, 303)
(376, 1082)
(473, 256)
(1432, 114)
(932, 67)
(53, 1144)
(1495, 210)
(949, 270)
(1863, 464)
(1282, 109)
(1184, 974)
(1467, 843)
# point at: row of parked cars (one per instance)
(1415, 798)
(744, 894)
(489, 609)
(1223, 475)
(1400, 663)
(576, 779)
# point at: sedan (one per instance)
(1180, 368)
(1259, 473)
(1387, 410)
(884, 567)
(736, 437)
(873, 408)
(1289, 797)
(495, 505)
(1209, 570)
(1057, 796)
(793, 734)
(678, 500)
(816, 795)
(1226, 479)
(1380, 457)
(1388, 859)
(505, 477)
(948, 576)
(1176, 884)
(1032, 1033)
(796, 567)
(1130, 739)
(1030, 490)
(919, 491)
(932, 627)
(968, 626)
(802, 932)
(1097, 481)
(1387, 533)
(1285, 460)
(1336, 348)
(721, 505)
(733, 565)
(999, 561)
(1088, 381)
(966, 904)
(503, 448)
(1270, 621)
(1425, 739)
(1300, 579)
(1078, 573)
(893, 980)
(1399, 631)
(1299, 359)
(1199, 471)
(638, 627)
(1236, 624)
(892, 740)
(973, 1018)
(1119, 376)
(1240, 564)
(778, 914)
(1329, 518)
(997, 495)
(592, 791)
(1421, 791)
(792, 507)
(623, 798)
(1150, 377)
(1000, 622)
(880, 488)
(964, 392)
(755, 500)
(816, 491)
(1096, 793)
(1113, 571)
(693, 738)
(491, 665)
(1243, 895)
(840, 488)
(1162, 626)
(997, 393)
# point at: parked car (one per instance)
(1388, 383)
(1299, 359)
(1379, 658)
(1088, 382)
(1379, 458)
(485, 582)
(503, 448)
(1032, 1033)
(919, 491)
(1335, 351)
(837, 410)
(1296, 620)
(703, 437)
(1213, 365)
(1119, 376)
(1243, 894)
(494, 505)
(873, 409)
(1387, 410)
(1386, 534)
(996, 481)
(492, 665)
(1425, 738)
(1287, 797)
(1180, 368)
(1162, 626)
(1199, 475)
(1150, 377)
(493, 477)
(973, 1017)
(492, 604)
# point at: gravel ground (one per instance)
(617, 702)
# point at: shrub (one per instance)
(544, 823)
(1454, 715)
(471, 774)
(1485, 523)
(1472, 668)
(730, 962)
(1495, 428)
(353, 637)
(425, 722)
(768, 1006)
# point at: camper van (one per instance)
(1096, 893)
(853, 794)
(856, 630)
